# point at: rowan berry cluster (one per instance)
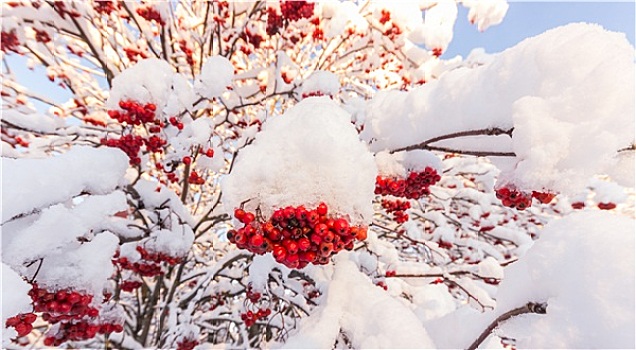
(150, 263)
(129, 286)
(397, 208)
(274, 22)
(105, 7)
(134, 113)
(414, 186)
(149, 13)
(9, 41)
(130, 144)
(187, 344)
(41, 36)
(23, 323)
(62, 305)
(513, 198)
(183, 45)
(296, 236)
(312, 94)
(133, 54)
(79, 330)
(195, 178)
(250, 318)
(543, 197)
(296, 10)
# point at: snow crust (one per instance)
(542, 88)
(310, 154)
(486, 13)
(56, 179)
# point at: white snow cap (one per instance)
(310, 154)
(321, 81)
(583, 267)
(437, 30)
(57, 179)
(402, 162)
(145, 82)
(568, 93)
(486, 13)
(216, 75)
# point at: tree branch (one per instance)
(529, 308)
(478, 132)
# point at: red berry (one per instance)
(322, 209)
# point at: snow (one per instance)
(14, 300)
(561, 136)
(583, 267)
(58, 227)
(486, 13)
(176, 242)
(402, 162)
(437, 30)
(34, 121)
(368, 315)
(56, 179)
(323, 82)
(310, 154)
(216, 75)
(86, 267)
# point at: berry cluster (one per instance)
(105, 7)
(187, 344)
(543, 197)
(296, 236)
(195, 179)
(149, 13)
(130, 144)
(397, 208)
(61, 305)
(175, 122)
(606, 206)
(129, 286)
(79, 330)
(250, 318)
(9, 41)
(385, 16)
(149, 264)
(132, 54)
(274, 22)
(513, 198)
(312, 94)
(41, 36)
(183, 45)
(295, 10)
(23, 323)
(60, 7)
(134, 113)
(414, 186)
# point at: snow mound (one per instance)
(570, 115)
(57, 179)
(583, 267)
(310, 154)
(216, 74)
(322, 83)
(369, 316)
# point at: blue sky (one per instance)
(527, 19)
(523, 20)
